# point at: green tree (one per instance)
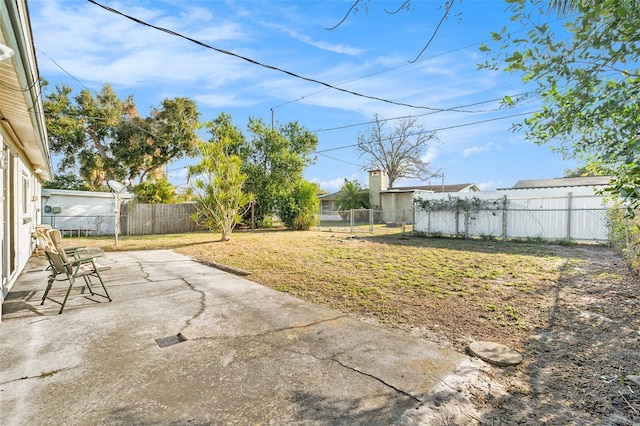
(104, 138)
(145, 145)
(155, 191)
(299, 209)
(218, 183)
(581, 171)
(273, 160)
(80, 131)
(586, 74)
(66, 181)
(398, 150)
(352, 196)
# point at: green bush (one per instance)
(299, 209)
(624, 233)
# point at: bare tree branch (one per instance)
(402, 6)
(447, 8)
(355, 3)
(398, 151)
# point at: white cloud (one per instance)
(179, 173)
(334, 185)
(430, 155)
(489, 186)
(476, 149)
(329, 47)
(110, 48)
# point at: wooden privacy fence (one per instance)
(149, 219)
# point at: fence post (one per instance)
(371, 221)
(351, 221)
(569, 199)
(413, 216)
(457, 223)
(504, 218)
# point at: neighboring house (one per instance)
(588, 181)
(80, 212)
(25, 160)
(396, 204)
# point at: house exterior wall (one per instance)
(19, 212)
(397, 206)
(377, 183)
(24, 152)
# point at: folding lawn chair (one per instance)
(41, 234)
(66, 266)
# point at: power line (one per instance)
(346, 126)
(64, 70)
(406, 64)
(339, 159)
(409, 64)
(252, 61)
(435, 130)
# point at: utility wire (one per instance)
(63, 70)
(252, 61)
(339, 159)
(406, 64)
(434, 130)
(346, 126)
(410, 63)
(19, 89)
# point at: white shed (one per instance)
(80, 212)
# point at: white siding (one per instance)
(79, 210)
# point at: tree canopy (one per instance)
(398, 150)
(273, 159)
(102, 137)
(585, 72)
(352, 196)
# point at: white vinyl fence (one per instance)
(572, 214)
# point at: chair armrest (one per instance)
(81, 260)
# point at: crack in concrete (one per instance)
(265, 333)
(295, 327)
(145, 274)
(378, 379)
(389, 385)
(43, 375)
(201, 308)
(407, 394)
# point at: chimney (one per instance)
(377, 183)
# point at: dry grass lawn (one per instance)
(451, 290)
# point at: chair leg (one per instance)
(49, 284)
(66, 296)
(103, 286)
(88, 283)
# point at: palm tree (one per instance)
(352, 196)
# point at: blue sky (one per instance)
(81, 44)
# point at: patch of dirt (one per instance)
(581, 368)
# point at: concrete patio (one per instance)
(235, 353)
